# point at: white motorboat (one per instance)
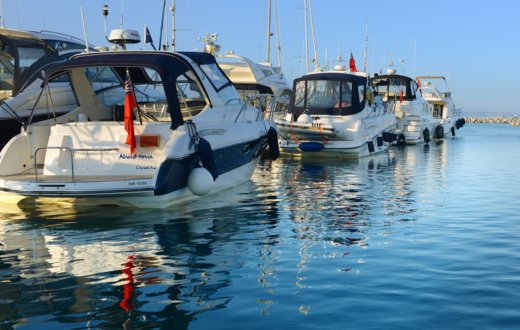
(191, 134)
(415, 122)
(251, 79)
(23, 54)
(435, 90)
(336, 114)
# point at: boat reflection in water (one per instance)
(108, 266)
(124, 263)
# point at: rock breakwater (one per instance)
(494, 120)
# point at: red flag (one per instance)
(419, 85)
(129, 113)
(352, 63)
(401, 96)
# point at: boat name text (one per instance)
(139, 156)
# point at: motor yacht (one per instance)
(149, 129)
(336, 114)
(435, 90)
(415, 121)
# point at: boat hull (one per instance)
(144, 192)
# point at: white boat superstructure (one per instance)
(188, 134)
(435, 90)
(415, 122)
(252, 78)
(336, 114)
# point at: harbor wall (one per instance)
(494, 120)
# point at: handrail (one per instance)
(262, 100)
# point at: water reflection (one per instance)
(113, 267)
(298, 220)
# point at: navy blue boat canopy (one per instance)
(168, 65)
(392, 86)
(328, 93)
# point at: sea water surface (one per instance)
(424, 237)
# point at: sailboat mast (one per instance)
(162, 25)
(2, 14)
(268, 31)
(306, 36)
(317, 65)
(278, 47)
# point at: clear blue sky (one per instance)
(474, 43)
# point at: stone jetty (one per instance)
(494, 120)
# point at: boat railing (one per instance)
(71, 151)
(265, 103)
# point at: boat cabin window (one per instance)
(6, 76)
(109, 85)
(102, 77)
(299, 94)
(60, 45)
(224, 88)
(27, 56)
(331, 97)
(326, 94)
(191, 98)
(393, 87)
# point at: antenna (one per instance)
(326, 58)
(366, 47)
(121, 14)
(84, 29)
(104, 12)
(414, 53)
(173, 25)
(269, 34)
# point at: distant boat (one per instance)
(23, 54)
(415, 122)
(252, 78)
(434, 89)
(193, 134)
(336, 114)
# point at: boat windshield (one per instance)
(225, 89)
(108, 85)
(330, 97)
(395, 87)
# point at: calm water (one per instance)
(421, 238)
